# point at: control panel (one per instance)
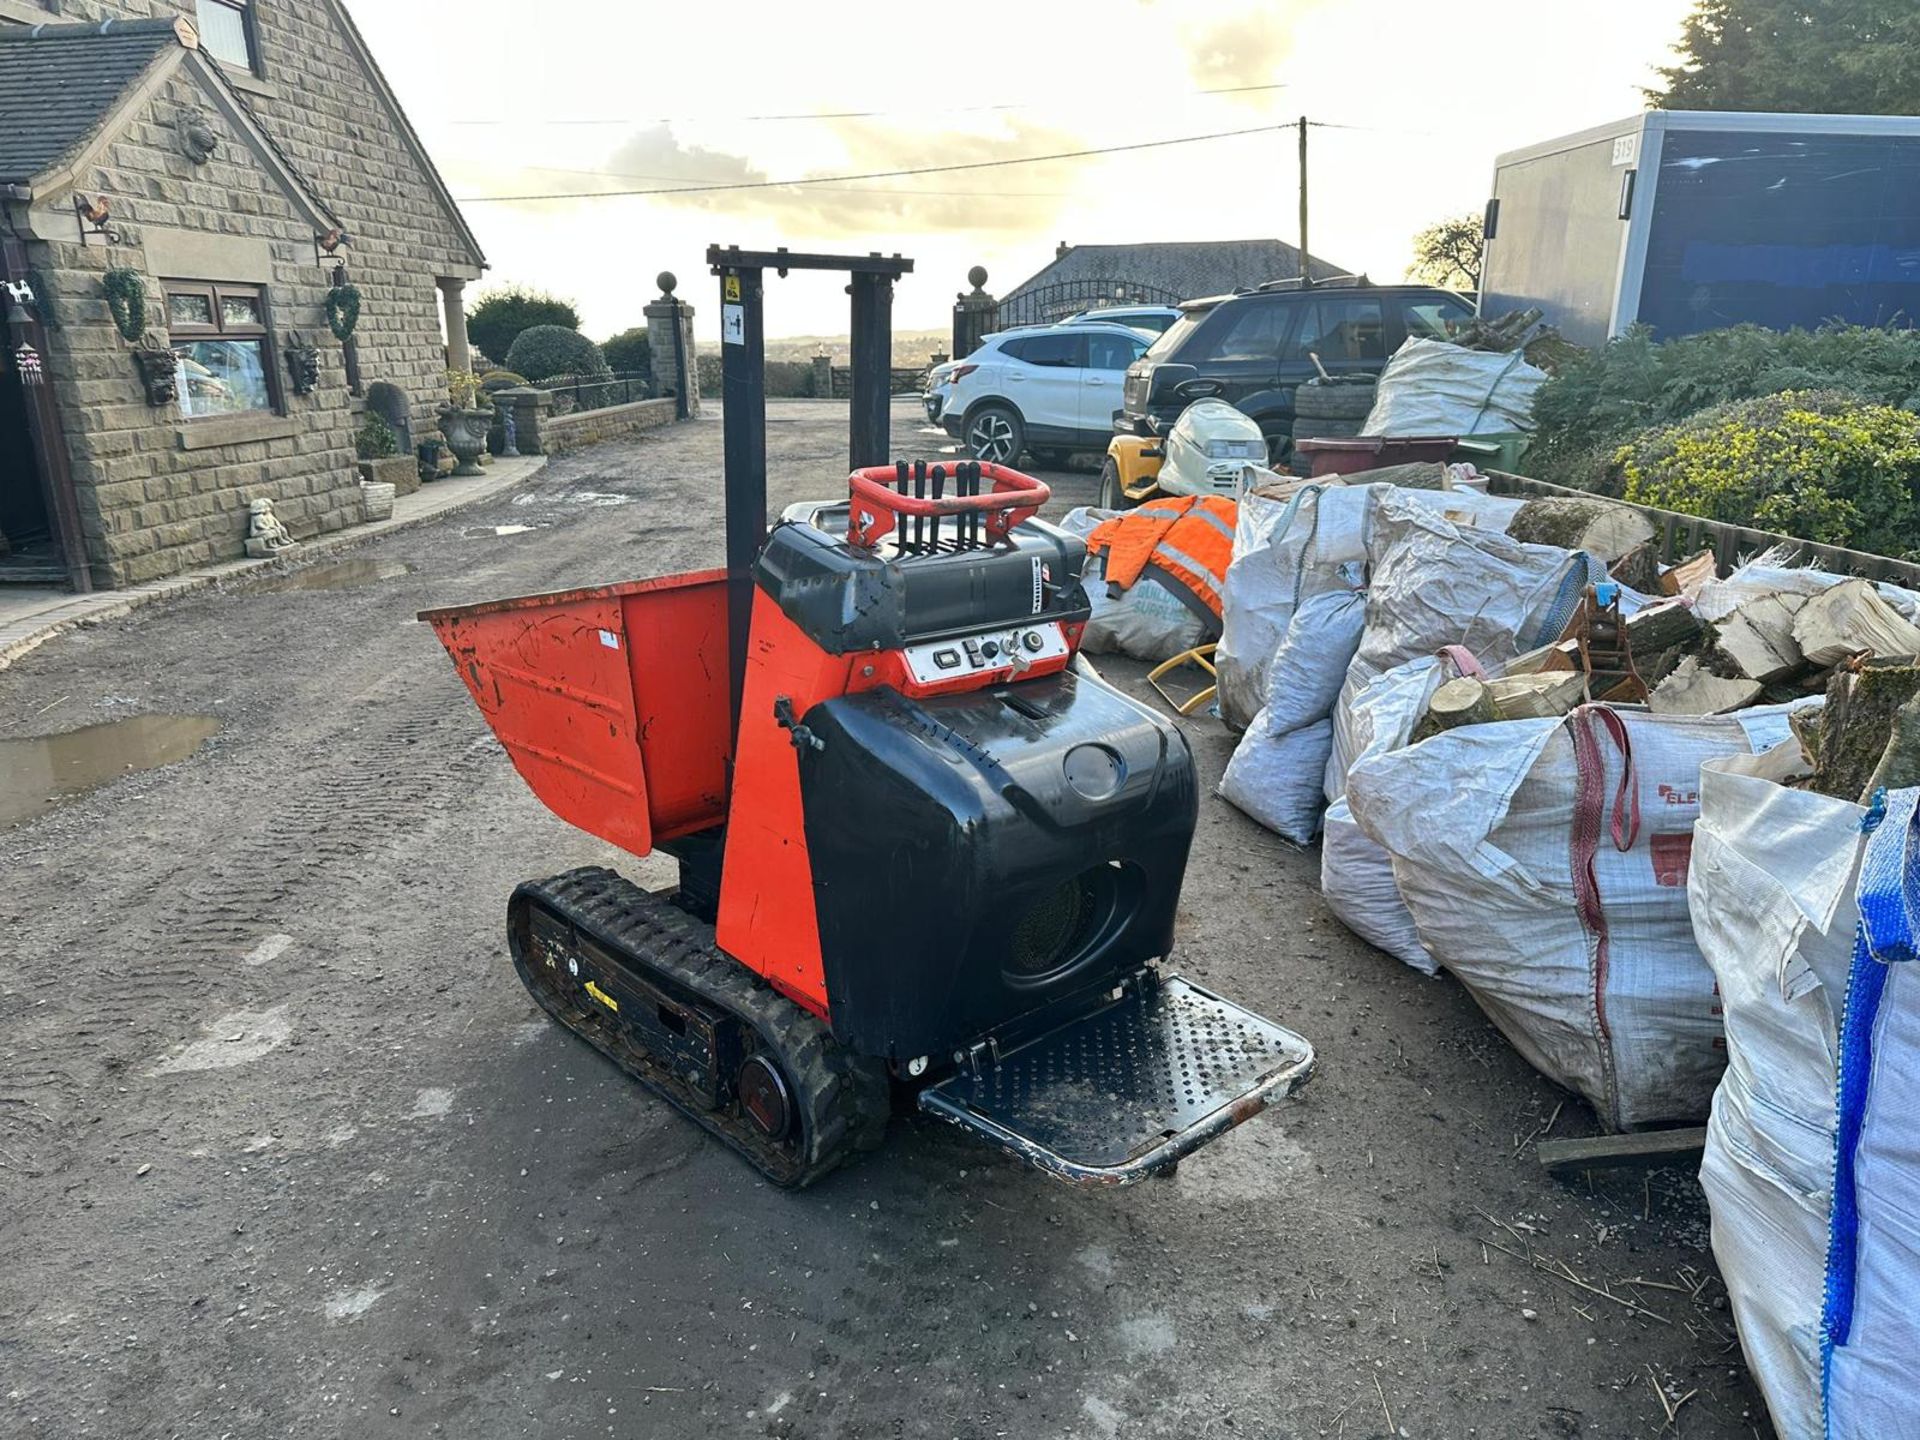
(1017, 649)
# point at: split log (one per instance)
(1548, 658)
(1805, 724)
(1692, 689)
(1660, 627)
(1502, 335)
(1601, 527)
(1857, 727)
(1757, 639)
(1465, 701)
(1540, 695)
(1852, 619)
(1899, 764)
(1690, 574)
(1639, 568)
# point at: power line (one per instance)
(883, 174)
(836, 189)
(834, 114)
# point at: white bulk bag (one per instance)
(1356, 875)
(1283, 552)
(1278, 770)
(1432, 387)
(1435, 583)
(1771, 892)
(1276, 779)
(1545, 864)
(1311, 664)
(1148, 620)
(1317, 540)
(1871, 1325)
(1356, 881)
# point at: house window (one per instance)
(226, 31)
(223, 347)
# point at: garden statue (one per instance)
(266, 536)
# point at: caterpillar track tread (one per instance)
(640, 980)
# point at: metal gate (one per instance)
(1046, 303)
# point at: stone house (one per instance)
(239, 160)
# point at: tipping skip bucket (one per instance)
(611, 702)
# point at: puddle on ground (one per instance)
(338, 576)
(37, 771)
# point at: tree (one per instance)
(1848, 57)
(629, 351)
(500, 316)
(1448, 254)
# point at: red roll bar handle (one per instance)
(876, 506)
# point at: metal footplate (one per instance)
(1123, 1092)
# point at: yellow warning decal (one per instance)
(730, 286)
(602, 996)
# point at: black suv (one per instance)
(1252, 348)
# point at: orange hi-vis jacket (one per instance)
(1187, 539)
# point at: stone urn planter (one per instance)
(466, 432)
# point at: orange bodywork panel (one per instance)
(767, 916)
(611, 702)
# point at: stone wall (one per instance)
(588, 427)
(157, 493)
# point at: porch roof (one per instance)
(58, 83)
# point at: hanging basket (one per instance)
(343, 311)
(127, 300)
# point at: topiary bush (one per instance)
(1818, 465)
(548, 350)
(1600, 399)
(501, 316)
(500, 380)
(629, 352)
(376, 440)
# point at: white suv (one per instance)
(1154, 319)
(1050, 389)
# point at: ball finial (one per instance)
(666, 281)
(977, 276)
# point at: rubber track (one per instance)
(843, 1099)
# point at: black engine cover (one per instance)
(977, 857)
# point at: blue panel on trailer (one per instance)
(1783, 230)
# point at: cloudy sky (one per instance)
(596, 95)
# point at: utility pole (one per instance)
(1306, 272)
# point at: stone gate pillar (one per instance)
(676, 371)
(974, 314)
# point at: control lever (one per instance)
(800, 735)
